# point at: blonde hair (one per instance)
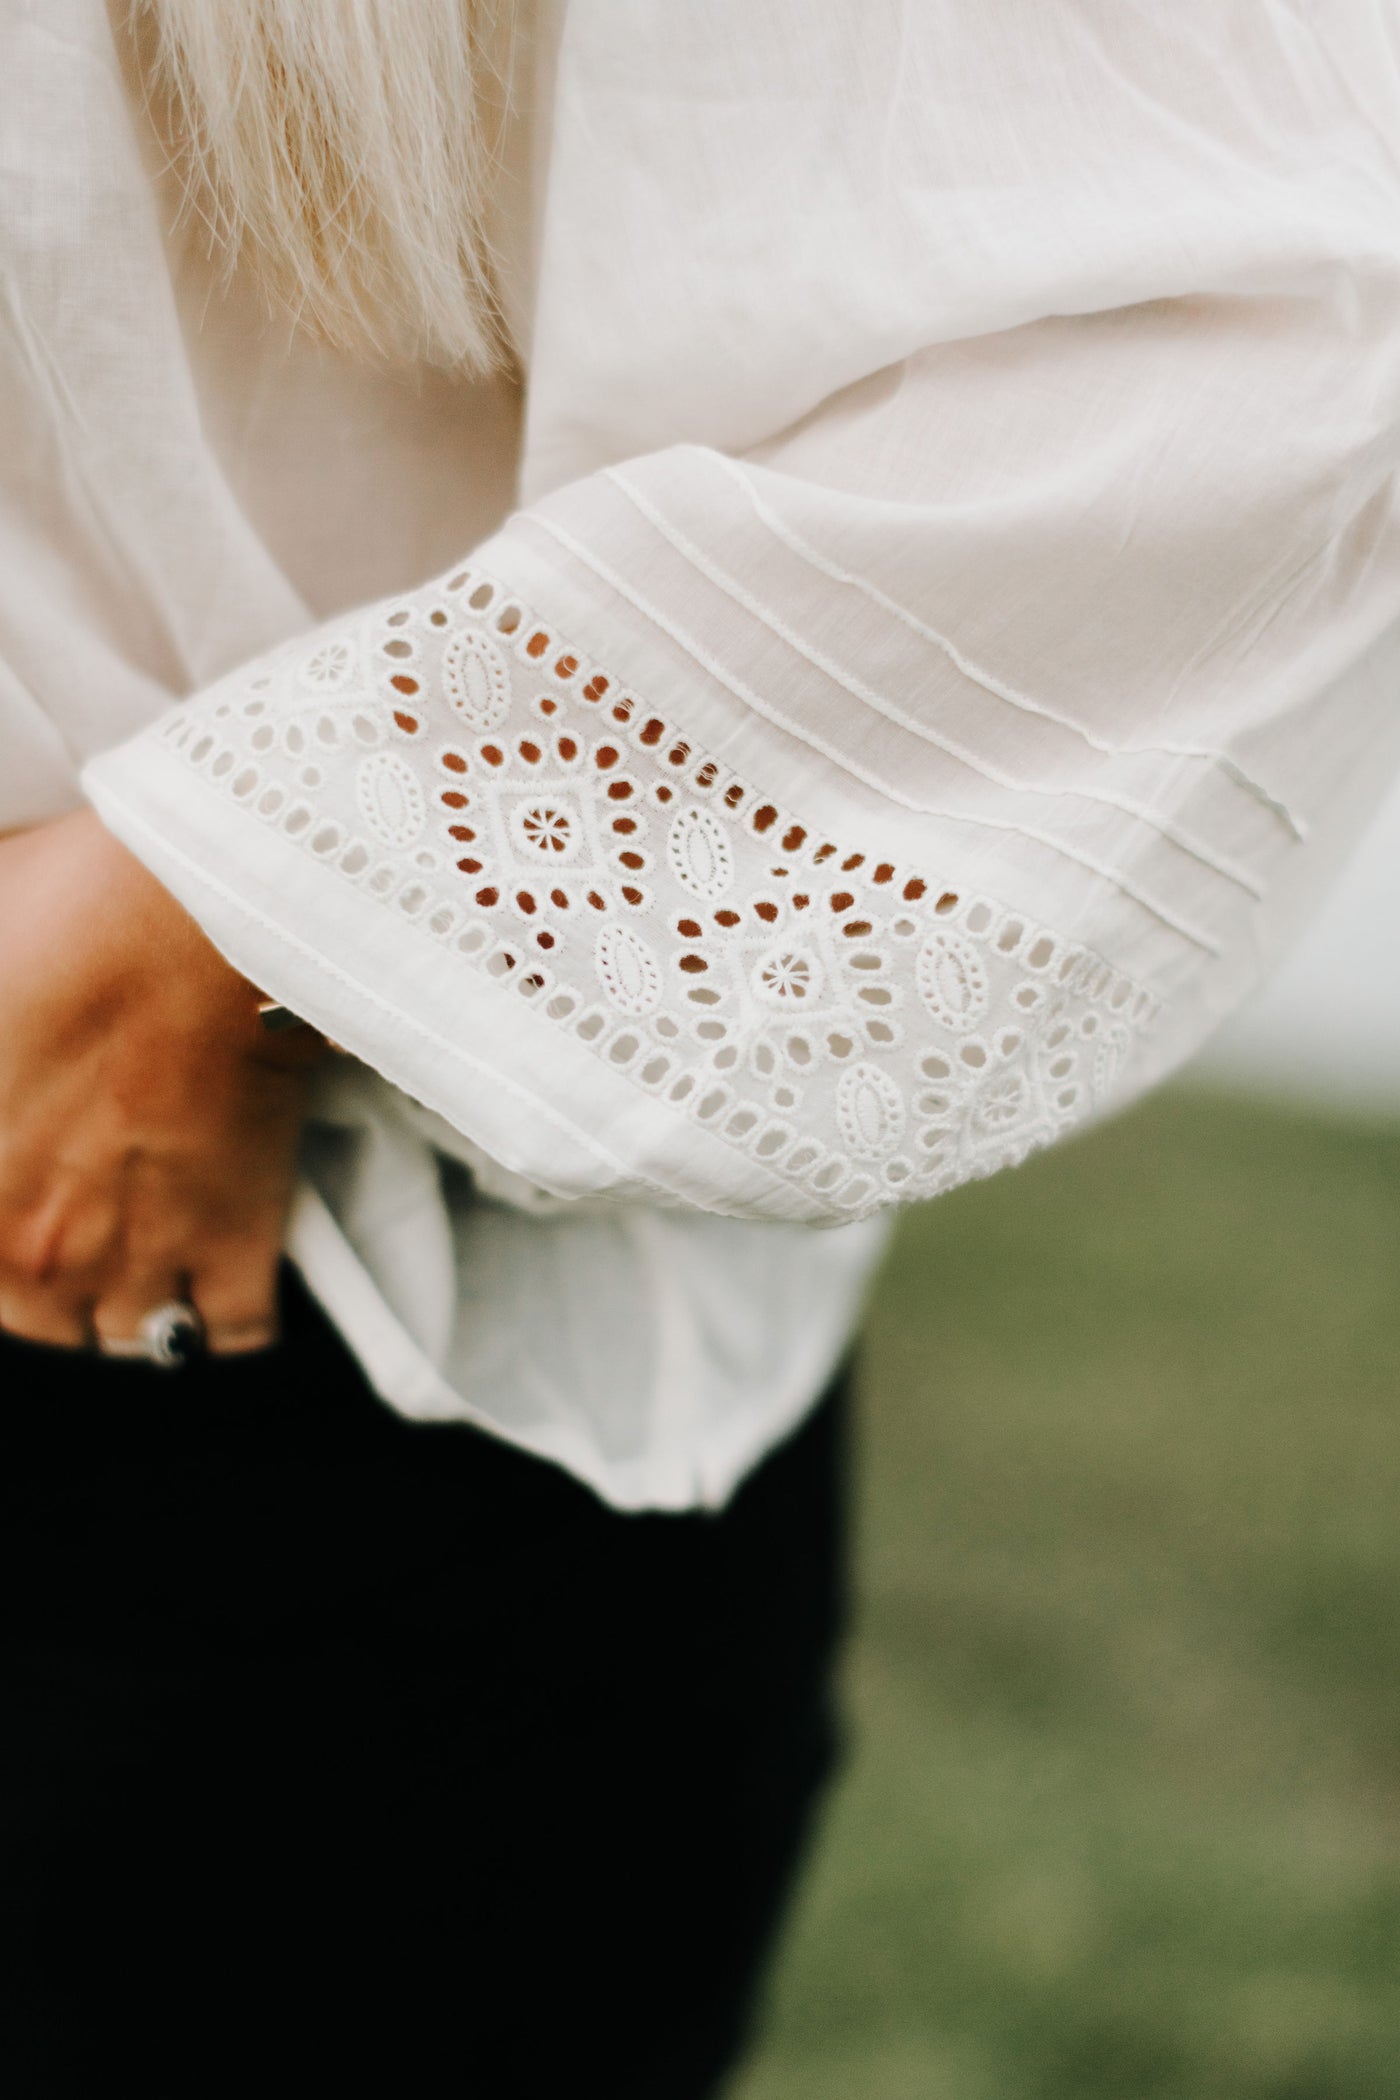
(345, 151)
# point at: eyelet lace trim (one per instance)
(870, 1031)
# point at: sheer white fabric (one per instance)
(959, 539)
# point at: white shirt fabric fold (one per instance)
(949, 636)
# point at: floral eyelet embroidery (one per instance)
(554, 832)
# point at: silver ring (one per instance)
(171, 1336)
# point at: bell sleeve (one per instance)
(793, 831)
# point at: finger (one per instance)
(72, 1233)
(235, 1293)
(43, 1314)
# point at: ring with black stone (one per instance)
(170, 1337)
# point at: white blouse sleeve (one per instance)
(793, 833)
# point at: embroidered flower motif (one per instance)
(390, 798)
(1000, 1102)
(788, 977)
(870, 1110)
(699, 853)
(952, 981)
(628, 969)
(1110, 1055)
(549, 829)
(476, 680)
(329, 668)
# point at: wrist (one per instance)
(153, 937)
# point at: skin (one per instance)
(148, 1122)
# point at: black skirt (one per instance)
(335, 1746)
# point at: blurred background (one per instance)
(1121, 1815)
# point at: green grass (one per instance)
(1122, 1818)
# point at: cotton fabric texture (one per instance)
(945, 640)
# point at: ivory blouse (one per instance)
(946, 637)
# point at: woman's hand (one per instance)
(148, 1123)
